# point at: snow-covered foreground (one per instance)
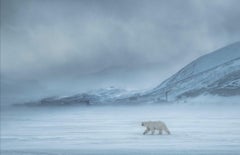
(195, 128)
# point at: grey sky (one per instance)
(51, 47)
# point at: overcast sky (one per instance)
(51, 47)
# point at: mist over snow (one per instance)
(66, 47)
(196, 128)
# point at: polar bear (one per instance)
(155, 125)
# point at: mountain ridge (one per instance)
(204, 71)
(230, 48)
(186, 73)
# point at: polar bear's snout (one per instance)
(143, 124)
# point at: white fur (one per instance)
(155, 125)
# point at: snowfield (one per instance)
(197, 128)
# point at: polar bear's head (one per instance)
(144, 123)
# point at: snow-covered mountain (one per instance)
(98, 96)
(217, 73)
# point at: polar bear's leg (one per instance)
(160, 131)
(146, 131)
(153, 130)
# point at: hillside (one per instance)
(217, 73)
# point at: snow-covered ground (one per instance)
(196, 129)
